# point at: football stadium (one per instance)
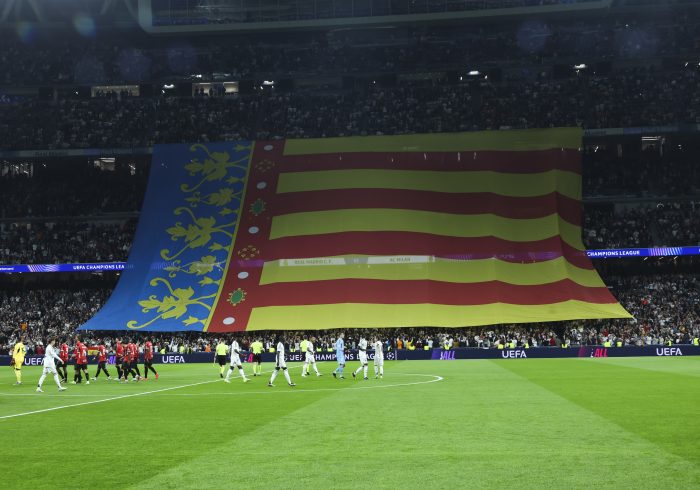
(347, 243)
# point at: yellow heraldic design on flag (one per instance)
(445, 230)
(217, 190)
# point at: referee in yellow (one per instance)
(221, 358)
(257, 350)
(18, 353)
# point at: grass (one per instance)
(553, 423)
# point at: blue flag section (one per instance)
(182, 242)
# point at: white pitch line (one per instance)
(302, 390)
(435, 379)
(107, 399)
(71, 395)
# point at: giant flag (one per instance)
(443, 230)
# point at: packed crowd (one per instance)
(66, 242)
(665, 169)
(665, 309)
(70, 189)
(139, 59)
(662, 224)
(678, 223)
(605, 228)
(41, 313)
(634, 97)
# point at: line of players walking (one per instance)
(127, 356)
(223, 351)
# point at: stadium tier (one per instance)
(344, 243)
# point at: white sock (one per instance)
(381, 371)
(230, 370)
(286, 375)
(58, 381)
(315, 368)
(365, 370)
(305, 369)
(41, 380)
(240, 370)
(274, 375)
(358, 370)
(376, 370)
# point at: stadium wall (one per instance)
(434, 354)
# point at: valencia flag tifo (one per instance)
(443, 230)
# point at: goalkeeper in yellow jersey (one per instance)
(18, 353)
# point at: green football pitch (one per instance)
(452, 424)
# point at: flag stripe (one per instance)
(404, 243)
(477, 203)
(514, 185)
(512, 140)
(442, 224)
(352, 315)
(426, 268)
(497, 161)
(442, 293)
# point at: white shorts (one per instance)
(310, 358)
(49, 370)
(378, 360)
(235, 360)
(362, 356)
(281, 363)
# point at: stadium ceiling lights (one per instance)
(580, 66)
(474, 73)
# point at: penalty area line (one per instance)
(92, 402)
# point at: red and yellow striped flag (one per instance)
(422, 230)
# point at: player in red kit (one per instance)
(77, 377)
(119, 351)
(134, 354)
(126, 366)
(101, 362)
(61, 369)
(81, 360)
(148, 359)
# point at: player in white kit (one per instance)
(362, 355)
(235, 362)
(310, 358)
(50, 358)
(280, 363)
(378, 358)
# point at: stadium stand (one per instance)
(633, 97)
(129, 92)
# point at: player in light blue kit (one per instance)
(340, 356)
